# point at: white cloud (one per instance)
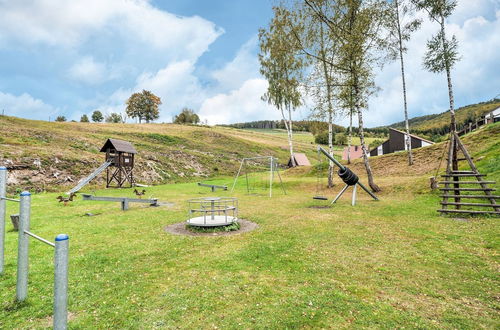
(71, 23)
(88, 71)
(23, 104)
(240, 105)
(244, 66)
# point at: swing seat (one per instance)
(320, 198)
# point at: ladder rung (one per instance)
(462, 172)
(461, 175)
(469, 211)
(460, 159)
(468, 189)
(471, 204)
(471, 196)
(466, 182)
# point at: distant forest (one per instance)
(433, 127)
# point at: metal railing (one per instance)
(61, 246)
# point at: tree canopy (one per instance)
(143, 106)
(97, 116)
(187, 116)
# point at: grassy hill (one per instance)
(67, 152)
(439, 121)
(394, 263)
(167, 153)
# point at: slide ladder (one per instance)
(86, 180)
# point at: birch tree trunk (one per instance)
(372, 184)
(448, 76)
(349, 137)
(407, 125)
(288, 126)
(330, 146)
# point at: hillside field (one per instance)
(394, 263)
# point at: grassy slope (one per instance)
(167, 153)
(388, 264)
(443, 119)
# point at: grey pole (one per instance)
(3, 190)
(61, 282)
(271, 173)
(23, 246)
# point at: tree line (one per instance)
(328, 50)
(143, 106)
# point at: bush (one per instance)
(84, 119)
(375, 143)
(187, 116)
(61, 118)
(97, 116)
(341, 139)
(114, 118)
(322, 137)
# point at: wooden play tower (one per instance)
(120, 156)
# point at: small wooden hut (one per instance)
(121, 156)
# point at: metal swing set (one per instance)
(270, 165)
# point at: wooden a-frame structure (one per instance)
(468, 185)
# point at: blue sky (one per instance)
(69, 58)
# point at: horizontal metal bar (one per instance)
(39, 238)
(10, 199)
(211, 185)
(119, 199)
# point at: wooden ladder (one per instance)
(457, 182)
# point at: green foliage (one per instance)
(280, 61)
(114, 118)
(143, 106)
(97, 116)
(375, 143)
(84, 119)
(322, 138)
(187, 116)
(341, 139)
(441, 53)
(61, 118)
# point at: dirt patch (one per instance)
(180, 229)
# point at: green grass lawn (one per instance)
(388, 264)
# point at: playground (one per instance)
(393, 262)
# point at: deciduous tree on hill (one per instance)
(187, 116)
(97, 116)
(281, 64)
(143, 106)
(114, 118)
(84, 119)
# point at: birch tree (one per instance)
(441, 52)
(281, 64)
(357, 27)
(322, 83)
(400, 27)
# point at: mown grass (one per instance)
(388, 264)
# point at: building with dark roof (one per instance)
(396, 142)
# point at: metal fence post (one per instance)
(61, 282)
(23, 246)
(3, 190)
